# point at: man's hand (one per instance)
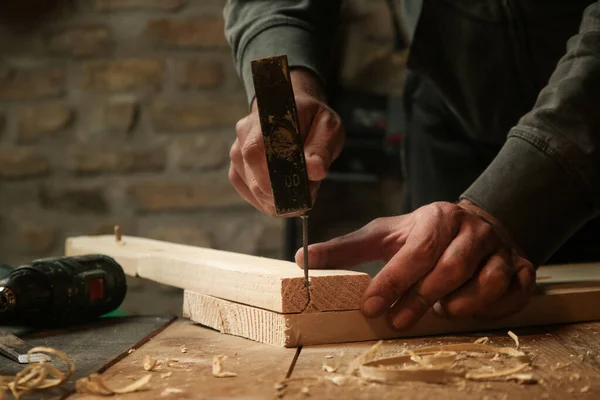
(442, 256)
(323, 136)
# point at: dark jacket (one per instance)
(520, 74)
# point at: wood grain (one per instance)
(261, 282)
(551, 305)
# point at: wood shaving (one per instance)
(338, 379)
(166, 375)
(168, 391)
(435, 364)
(328, 356)
(38, 376)
(149, 363)
(183, 349)
(584, 389)
(482, 340)
(217, 367)
(333, 368)
(560, 365)
(94, 384)
(515, 338)
(305, 390)
(574, 377)
(364, 358)
(495, 374)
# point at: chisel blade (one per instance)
(16, 349)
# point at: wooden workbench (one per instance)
(566, 359)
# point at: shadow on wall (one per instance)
(29, 15)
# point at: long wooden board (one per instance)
(266, 283)
(555, 302)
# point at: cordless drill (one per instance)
(62, 290)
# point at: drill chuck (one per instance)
(62, 290)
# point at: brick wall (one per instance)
(123, 112)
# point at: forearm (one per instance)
(302, 30)
(545, 182)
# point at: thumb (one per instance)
(363, 245)
(323, 144)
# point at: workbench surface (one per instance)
(566, 358)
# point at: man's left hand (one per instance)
(442, 255)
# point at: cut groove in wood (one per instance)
(553, 303)
(266, 283)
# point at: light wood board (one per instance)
(266, 283)
(554, 302)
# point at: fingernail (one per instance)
(373, 306)
(402, 319)
(439, 310)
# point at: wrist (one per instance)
(304, 82)
(498, 227)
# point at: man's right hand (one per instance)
(321, 130)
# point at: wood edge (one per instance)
(351, 326)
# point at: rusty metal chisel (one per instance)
(284, 147)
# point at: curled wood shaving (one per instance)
(39, 376)
(94, 384)
(482, 340)
(515, 338)
(149, 363)
(495, 374)
(364, 358)
(435, 364)
(217, 367)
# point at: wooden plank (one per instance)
(258, 367)
(261, 282)
(551, 304)
(544, 349)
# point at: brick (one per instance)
(121, 115)
(163, 196)
(201, 152)
(31, 83)
(34, 238)
(183, 235)
(101, 160)
(22, 163)
(124, 74)
(80, 41)
(192, 117)
(74, 199)
(200, 74)
(128, 5)
(192, 32)
(36, 122)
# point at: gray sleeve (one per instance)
(302, 29)
(545, 182)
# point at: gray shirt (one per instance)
(523, 75)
